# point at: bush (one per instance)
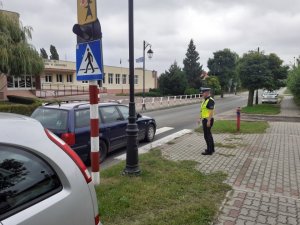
(21, 100)
(294, 81)
(191, 91)
(19, 108)
(149, 94)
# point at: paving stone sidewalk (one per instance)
(263, 169)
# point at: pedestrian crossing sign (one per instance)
(89, 61)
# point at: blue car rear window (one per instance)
(53, 119)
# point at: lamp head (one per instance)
(150, 53)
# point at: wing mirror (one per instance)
(138, 115)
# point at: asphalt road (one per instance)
(182, 117)
(185, 117)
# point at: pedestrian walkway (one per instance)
(288, 107)
(263, 170)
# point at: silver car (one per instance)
(269, 97)
(42, 180)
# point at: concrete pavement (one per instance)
(263, 170)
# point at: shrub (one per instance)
(294, 81)
(148, 94)
(21, 100)
(19, 108)
(191, 91)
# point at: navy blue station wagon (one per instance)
(71, 122)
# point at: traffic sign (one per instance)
(86, 11)
(88, 61)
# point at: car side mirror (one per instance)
(138, 115)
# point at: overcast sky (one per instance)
(241, 25)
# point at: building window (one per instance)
(110, 78)
(84, 81)
(103, 80)
(70, 78)
(48, 78)
(124, 77)
(59, 78)
(117, 78)
(136, 79)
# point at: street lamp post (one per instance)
(132, 161)
(150, 54)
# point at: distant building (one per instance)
(60, 76)
(115, 79)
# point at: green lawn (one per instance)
(165, 193)
(229, 126)
(265, 109)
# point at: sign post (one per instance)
(89, 67)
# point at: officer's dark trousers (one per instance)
(208, 136)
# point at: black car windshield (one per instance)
(52, 119)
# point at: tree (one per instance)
(192, 67)
(17, 56)
(213, 83)
(54, 55)
(43, 53)
(254, 72)
(279, 72)
(173, 82)
(293, 81)
(224, 66)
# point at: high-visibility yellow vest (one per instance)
(205, 111)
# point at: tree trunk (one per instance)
(256, 99)
(222, 92)
(250, 97)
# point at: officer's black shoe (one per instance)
(206, 153)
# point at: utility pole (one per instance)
(132, 157)
(256, 99)
(89, 67)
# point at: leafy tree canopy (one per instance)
(258, 70)
(294, 81)
(192, 67)
(43, 53)
(54, 55)
(173, 81)
(223, 65)
(17, 56)
(213, 83)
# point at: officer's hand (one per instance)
(208, 123)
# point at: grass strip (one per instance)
(166, 192)
(229, 126)
(264, 109)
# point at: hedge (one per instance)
(21, 100)
(19, 108)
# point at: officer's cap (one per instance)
(204, 89)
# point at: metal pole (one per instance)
(94, 121)
(144, 48)
(238, 119)
(132, 164)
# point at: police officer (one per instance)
(207, 113)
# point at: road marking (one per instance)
(163, 129)
(157, 143)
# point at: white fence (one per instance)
(162, 102)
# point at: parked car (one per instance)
(269, 97)
(71, 122)
(42, 180)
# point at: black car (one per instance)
(71, 122)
